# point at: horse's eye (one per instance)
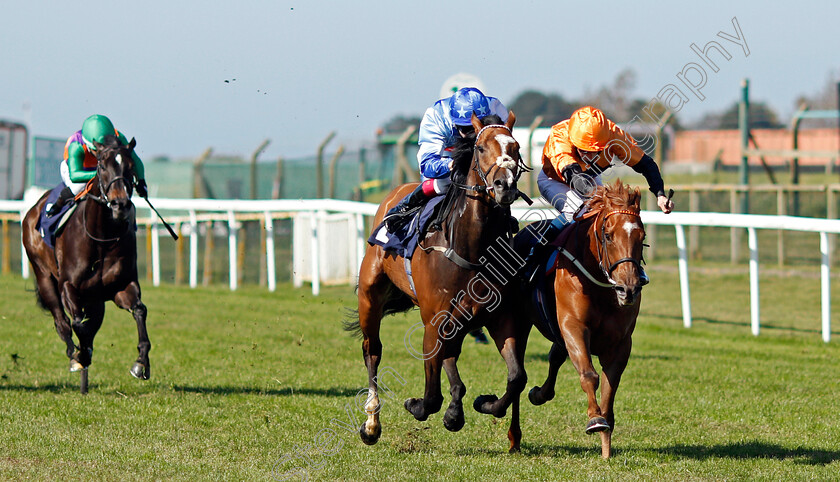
(608, 237)
(480, 149)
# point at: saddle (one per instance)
(49, 227)
(405, 240)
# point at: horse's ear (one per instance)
(476, 123)
(511, 120)
(98, 146)
(132, 143)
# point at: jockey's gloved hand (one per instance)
(141, 188)
(577, 179)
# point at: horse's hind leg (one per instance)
(613, 365)
(556, 356)
(50, 299)
(511, 339)
(129, 299)
(372, 294)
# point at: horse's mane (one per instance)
(462, 151)
(614, 197)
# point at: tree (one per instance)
(762, 116)
(399, 123)
(531, 103)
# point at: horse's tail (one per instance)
(351, 323)
(398, 302)
(40, 299)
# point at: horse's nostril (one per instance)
(498, 183)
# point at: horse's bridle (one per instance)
(486, 188)
(104, 189)
(449, 251)
(603, 257)
(102, 198)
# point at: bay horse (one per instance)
(597, 295)
(94, 260)
(454, 292)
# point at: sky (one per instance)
(164, 71)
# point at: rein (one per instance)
(486, 187)
(449, 251)
(102, 198)
(602, 250)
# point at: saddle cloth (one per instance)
(50, 226)
(404, 242)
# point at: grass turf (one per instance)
(251, 384)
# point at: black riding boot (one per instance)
(400, 214)
(540, 250)
(65, 195)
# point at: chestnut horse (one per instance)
(455, 293)
(597, 289)
(94, 261)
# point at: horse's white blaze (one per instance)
(630, 226)
(505, 161)
(118, 159)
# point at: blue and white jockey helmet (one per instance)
(466, 101)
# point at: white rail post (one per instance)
(315, 254)
(825, 286)
(193, 249)
(155, 253)
(685, 293)
(360, 242)
(24, 259)
(269, 252)
(232, 250)
(755, 315)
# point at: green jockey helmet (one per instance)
(95, 128)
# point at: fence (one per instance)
(319, 209)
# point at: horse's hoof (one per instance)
(415, 407)
(75, 366)
(370, 439)
(535, 397)
(597, 424)
(484, 404)
(140, 372)
(453, 423)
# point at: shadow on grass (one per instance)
(50, 387)
(753, 450)
(764, 324)
(534, 450)
(279, 392)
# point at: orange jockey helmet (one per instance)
(589, 129)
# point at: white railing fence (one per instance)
(319, 211)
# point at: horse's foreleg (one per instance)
(576, 336)
(511, 346)
(433, 355)
(70, 300)
(86, 331)
(129, 299)
(556, 356)
(613, 365)
(453, 419)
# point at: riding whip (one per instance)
(168, 227)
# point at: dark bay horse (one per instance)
(597, 301)
(455, 293)
(94, 261)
